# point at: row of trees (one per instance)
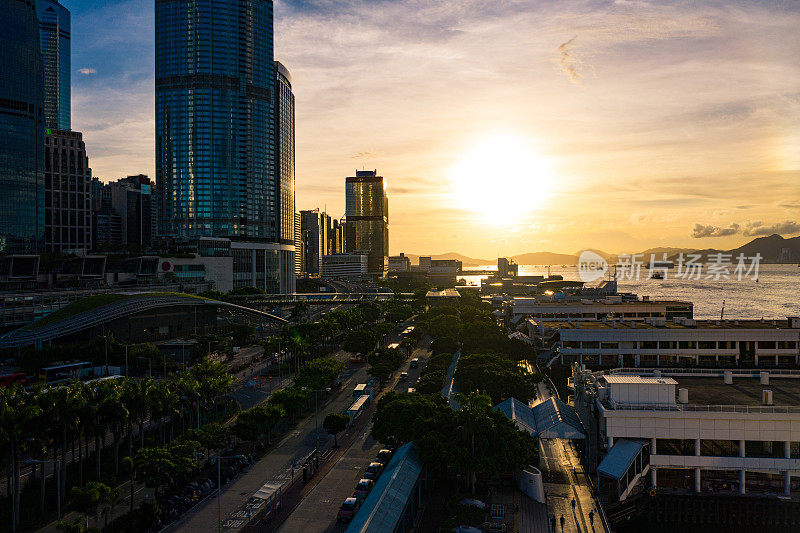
(75, 418)
(474, 440)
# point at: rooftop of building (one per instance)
(444, 293)
(639, 380)
(669, 324)
(743, 391)
(596, 301)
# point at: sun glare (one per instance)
(500, 180)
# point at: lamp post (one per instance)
(219, 486)
(316, 427)
(58, 478)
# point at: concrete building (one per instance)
(682, 341)
(707, 431)
(299, 254)
(352, 266)
(442, 297)
(592, 309)
(285, 138)
(314, 232)
(132, 200)
(399, 263)
(67, 192)
(367, 218)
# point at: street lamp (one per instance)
(58, 478)
(219, 486)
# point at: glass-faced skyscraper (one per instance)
(21, 130)
(367, 213)
(215, 135)
(54, 31)
(284, 122)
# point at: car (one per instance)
(348, 510)
(414, 363)
(384, 456)
(362, 489)
(403, 376)
(373, 471)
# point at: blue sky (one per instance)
(652, 123)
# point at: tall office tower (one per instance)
(315, 240)
(299, 256)
(131, 199)
(284, 121)
(215, 134)
(367, 214)
(21, 130)
(67, 192)
(54, 31)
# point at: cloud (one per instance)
(749, 229)
(87, 70)
(362, 155)
(701, 231)
(568, 62)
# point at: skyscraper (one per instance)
(284, 121)
(21, 130)
(67, 192)
(367, 214)
(314, 230)
(54, 32)
(215, 134)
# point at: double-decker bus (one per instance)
(67, 372)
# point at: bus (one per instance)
(67, 372)
(10, 379)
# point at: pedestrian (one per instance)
(591, 518)
(573, 504)
(553, 523)
(562, 522)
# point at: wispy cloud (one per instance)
(87, 70)
(568, 62)
(750, 229)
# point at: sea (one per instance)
(775, 295)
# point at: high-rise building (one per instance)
(314, 235)
(215, 134)
(132, 200)
(284, 121)
(67, 192)
(21, 130)
(299, 255)
(367, 214)
(54, 31)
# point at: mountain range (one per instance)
(773, 249)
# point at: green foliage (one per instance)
(211, 344)
(292, 399)
(242, 334)
(246, 291)
(213, 436)
(360, 341)
(87, 499)
(447, 345)
(258, 422)
(496, 375)
(385, 361)
(141, 519)
(318, 374)
(335, 423)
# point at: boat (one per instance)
(656, 275)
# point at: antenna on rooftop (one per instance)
(722, 311)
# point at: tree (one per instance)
(256, 423)
(242, 333)
(334, 424)
(87, 500)
(496, 375)
(292, 399)
(360, 341)
(76, 526)
(299, 311)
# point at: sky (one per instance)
(511, 126)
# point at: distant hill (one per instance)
(771, 248)
(465, 260)
(545, 258)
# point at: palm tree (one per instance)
(113, 414)
(17, 412)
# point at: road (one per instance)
(317, 512)
(299, 442)
(565, 480)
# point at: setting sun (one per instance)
(501, 179)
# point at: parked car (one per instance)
(373, 471)
(403, 376)
(384, 456)
(362, 489)
(348, 510)
(414, 363)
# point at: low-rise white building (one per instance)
(351, 266)
(659, 342)
(723, 431)
(612, 306)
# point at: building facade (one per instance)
(682, 342)
(345, 266)
(21, 130)
(67, 192)
(367, 218)
(284, 120)
(54, 30)
(399, 263)
(215, 132)
(132, 200)
(314, 232)
(299, 253)
(593, 309)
